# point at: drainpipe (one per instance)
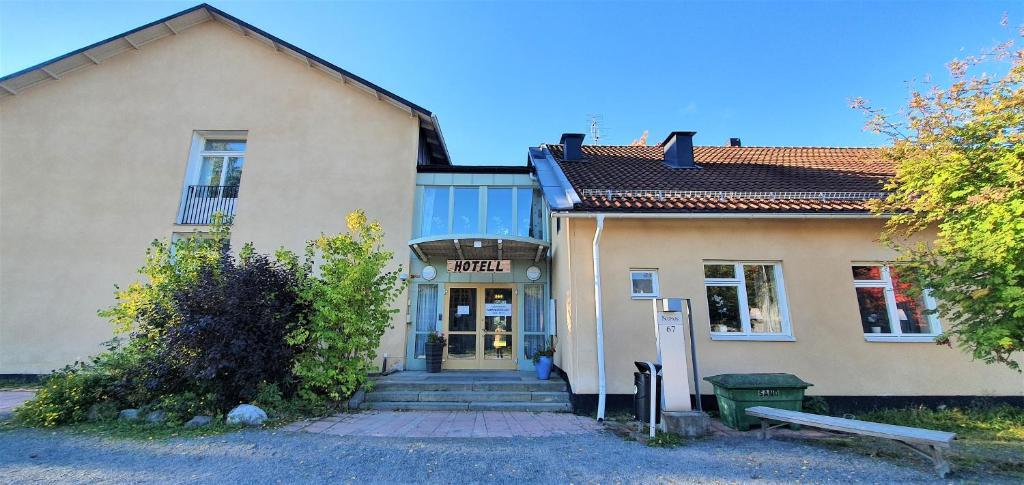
(599, 316)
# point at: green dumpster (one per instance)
(737, 392)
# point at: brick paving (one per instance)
(448, 424)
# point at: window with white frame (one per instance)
(643, 283)
(221, 162)
(889, 309)
(746, 299)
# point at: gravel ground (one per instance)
(32, 456)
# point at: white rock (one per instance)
(247, 414)
(128, 414)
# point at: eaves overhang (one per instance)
(478, 246)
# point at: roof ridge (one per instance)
(818, 147)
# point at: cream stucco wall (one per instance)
(816, 255)
(92, 168)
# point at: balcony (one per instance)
(203, 201)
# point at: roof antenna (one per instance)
(595, 128)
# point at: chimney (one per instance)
(573, 143)
(679, 149)
(735, 142)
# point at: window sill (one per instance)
(644, 297)
(905, 338)
(753, 338)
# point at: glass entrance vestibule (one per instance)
(479, 270)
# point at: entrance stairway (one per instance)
(468, 391)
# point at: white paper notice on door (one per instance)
(462, 310)
(497, 309)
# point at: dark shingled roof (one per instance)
(728, 179)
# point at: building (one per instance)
(777, 252)
(147, 134)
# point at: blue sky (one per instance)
(502, 76)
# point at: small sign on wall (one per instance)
(479, 266)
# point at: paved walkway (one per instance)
(451, 424)
(12, 399)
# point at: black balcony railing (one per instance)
(203, 201)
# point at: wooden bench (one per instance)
(927, 443)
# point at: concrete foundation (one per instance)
(691, 424)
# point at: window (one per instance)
(643, 283)
(529, 213)
(534, 336)
(889, 311)
(221, 165)
(467, 211)
(434, 217)
(426, 317)
(499, 211)
(746, 301)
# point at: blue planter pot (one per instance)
(543, 367)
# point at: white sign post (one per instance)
(671, 327)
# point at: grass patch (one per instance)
(663, 439)
(990, 439)
(995, 423)
(139, 431)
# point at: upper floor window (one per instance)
(222, 161)
(467, 211)
(746, 301)
(212, 177)
(434, 211)
(498, 211)
(889, 311)
(529, 213)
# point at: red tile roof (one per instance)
(729, 179)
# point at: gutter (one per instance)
(599, 317)
(715, 215)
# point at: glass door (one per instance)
(461, 323)
(480, 324)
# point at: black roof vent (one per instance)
(679, 149)
(573, 143)
(735, 142)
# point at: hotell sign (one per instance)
(479, 266)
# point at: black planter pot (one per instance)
(434, 353)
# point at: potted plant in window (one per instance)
(542, 362)
(435, 349)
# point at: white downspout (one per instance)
(599, 316)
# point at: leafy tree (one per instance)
(959, 161)
(350, 308)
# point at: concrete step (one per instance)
(467, 396)
(527, 406)
(471, 386)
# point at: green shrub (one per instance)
(111, 379)
(183, 406)
(350, 309)
(208, 330)
(65, 397)
(816, 405)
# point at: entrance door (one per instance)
(480, 323)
